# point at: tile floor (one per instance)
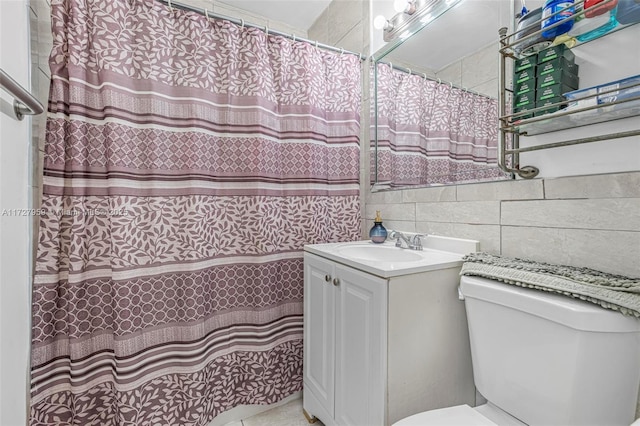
(289, 414)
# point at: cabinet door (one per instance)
(361, 348)
(319, 331)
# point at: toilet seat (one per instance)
(460, 415)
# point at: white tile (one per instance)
(431, 194)
(596, 186)
(45, 42)
(237, 13)
(503, 190)
(287, 29)
(472, 212)
(480, 67)
(397, 225)
(289, 414)
(384, 197)
(451, 73)
(343, 16)
(200, 4)
(40, 7)
(489, 88)
(352, 40)
(488, 235)
(404, 212)
(613, 213)
(616, 252)
(320, 29)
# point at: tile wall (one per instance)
(478, 72)
(583, 221)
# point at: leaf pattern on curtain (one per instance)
(431, 133)
(187, 162)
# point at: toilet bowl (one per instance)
(461, 415)
(544, 359)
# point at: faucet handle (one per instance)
(416, 242)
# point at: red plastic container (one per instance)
(598, 10)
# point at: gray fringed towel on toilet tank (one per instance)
(610, 291)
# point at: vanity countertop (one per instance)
(386, 260)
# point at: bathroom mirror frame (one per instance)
(406, 29)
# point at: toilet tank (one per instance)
(548, 359)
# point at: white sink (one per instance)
(378, 253)
(386, 260)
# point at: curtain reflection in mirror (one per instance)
(432, 133)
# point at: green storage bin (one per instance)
(525, 87)
(557, 77)
(559, 51)
(549, 101)
(525, 99)
(525, 75)
(556, 64)
(525, 63)
(551, 92)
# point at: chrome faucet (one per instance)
(414, 244)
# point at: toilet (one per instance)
(541, 358)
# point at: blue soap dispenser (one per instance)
(378, 233)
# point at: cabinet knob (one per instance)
(327, 278)
(336, 281)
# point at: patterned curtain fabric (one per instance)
(433, 133)
(187, 162)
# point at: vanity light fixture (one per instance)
(411, 17)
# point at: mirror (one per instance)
(434, 99)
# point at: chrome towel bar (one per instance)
(25, 103)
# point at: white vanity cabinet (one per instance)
(378, 349)
(344, 342)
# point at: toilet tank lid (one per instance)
(574, 313)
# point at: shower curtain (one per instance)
(433, 133)
(187, 162)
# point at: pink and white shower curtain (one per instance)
(433, 133)
(187, 162)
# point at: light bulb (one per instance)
(380, 22)
(405, 6)
(400, 5)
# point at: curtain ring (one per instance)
(316, 44)
(424, 75)
(206, 13)
(241, 23)
(170, 6)
(439, 80)
(450, 85)
(409, 71)
(293, 37)
(391, 65)
(266, 30)
(341, 51)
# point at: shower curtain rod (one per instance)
(210, 14)
(437, 80)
